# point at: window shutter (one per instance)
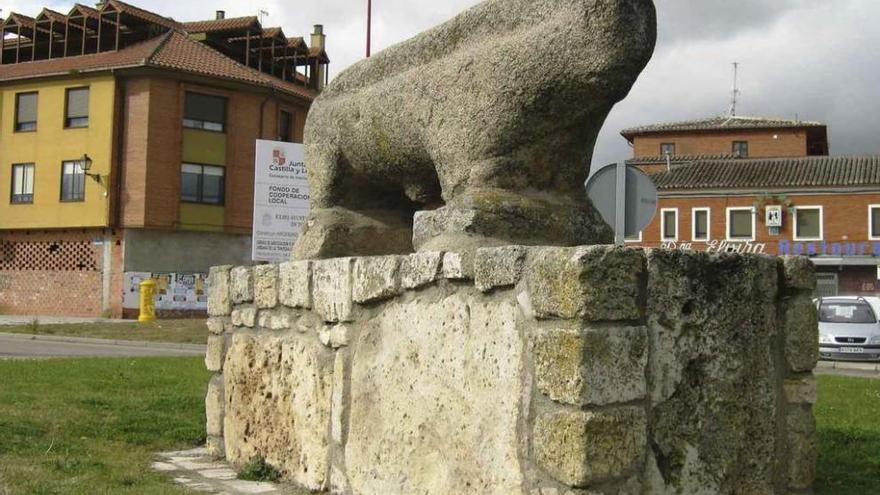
(205, 108)
(77, 103)
(27, 107)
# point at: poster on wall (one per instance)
(281, 199)
(174, 291)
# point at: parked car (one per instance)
(848, 328)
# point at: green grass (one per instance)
(848, 419)
(93, 426)
(187, 331)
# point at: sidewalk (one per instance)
(847, 368)
(27, 346)
(10, 320)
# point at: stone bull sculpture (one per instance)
(478, 132)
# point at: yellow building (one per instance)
(127, 150)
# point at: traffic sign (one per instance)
(625, 197)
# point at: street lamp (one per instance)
(85, 163)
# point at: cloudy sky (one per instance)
(811, 59)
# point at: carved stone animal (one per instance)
(482, 128)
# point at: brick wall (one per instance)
(762, 143)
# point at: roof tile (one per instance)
(721, 122)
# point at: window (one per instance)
(25, 112)
(202, 184)
(22, 183)
(76, 110)
(808, 223)
(700, 224)
(741, 224)
(633, 238)
(285, 121)
(73, 181)
(741, 149)
(874, 222)
(669, 224)
(204, 112)
(667, 149)
(858, 312)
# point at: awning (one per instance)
(845, 261)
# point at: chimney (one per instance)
(221, 14)
(319, 71)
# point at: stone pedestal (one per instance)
(518, 370)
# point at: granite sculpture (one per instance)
(478, 132)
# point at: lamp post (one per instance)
(85, 163)
(369, 24)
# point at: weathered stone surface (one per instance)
(578, 448)
(498, 267)
(215, 352)
(799, 272)
(339, 399)
(801, 333)
(242, 284)
(423, 125)
(219, 324)
(436, 398)
(712, 323)
(214, 406)
(295, 284)
(214, 446)
(334, 336)
(420, 269)
(266, 286)
(376, 278)
(277, 319)
(592, 367)
(219, 291)
(244, 316)
(278, 405)
(800, 390)
(593, 283)
(338, 232)
(331, 289)
(802, 447)
(458, 266)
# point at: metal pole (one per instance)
(620, 206)
(369, 24)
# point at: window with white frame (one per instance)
(700, 224)
(633, 238)
(669, 224)
(22, 183)
(808, 223)
(73, 181)
(741, 224)
(874, 222)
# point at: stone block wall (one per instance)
(519, 370)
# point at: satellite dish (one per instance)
(625, 196)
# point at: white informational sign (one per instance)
(773, 216)
(281, 199)
(174, 291)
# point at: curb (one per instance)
(846, 365)
(90, 340)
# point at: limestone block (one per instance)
(339, 399)
(498, 267)
(436, 395)
(266, 286)
(334, 336)
(274, 319)
(592, 367)
(331, 289)
(295, 284)
(219, 324)
(244, 316)
(219, 302)
(214, 406)
(594, 283)
(417, 270)
(800, 273)
(578, 448)
(800, 390)
(278, 405)
(458, 266)
(802, 447)
(376, 278)
(215, 353)
(242, 284)
(801, 333)
(215, 448)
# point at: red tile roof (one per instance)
(720, 123)
(52, 15)
(144, 15)
(214, 25)
(173, 51)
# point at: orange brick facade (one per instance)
(762, 143)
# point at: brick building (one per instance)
(127, 144)
(786, 196)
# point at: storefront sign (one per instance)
(281, 199)
(718, 246)
(824, 248)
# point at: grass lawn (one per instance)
(92, 426)
(191, 331)
(848, 418)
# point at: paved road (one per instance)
(19, 346)
(53, 320)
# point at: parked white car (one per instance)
(849, 328)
